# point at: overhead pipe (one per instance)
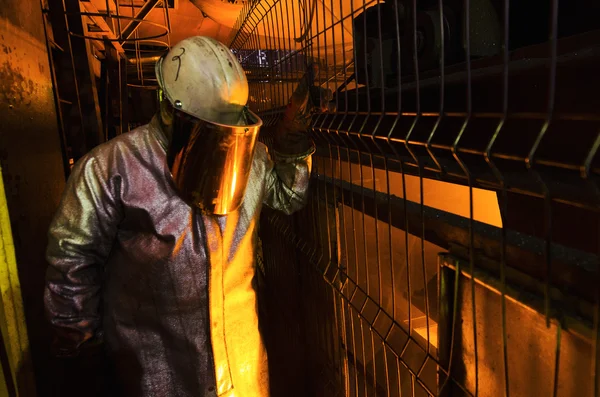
(222, 12)
(134, 24)
(143, 60)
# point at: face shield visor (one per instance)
(210, 162)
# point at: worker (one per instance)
(152, 250)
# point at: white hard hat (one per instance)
(202, 78)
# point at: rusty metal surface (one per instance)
(30, 155)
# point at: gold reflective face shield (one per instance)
(210, 163)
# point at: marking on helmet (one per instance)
(178, 58)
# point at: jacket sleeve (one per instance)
(287, 183)
(80, 238)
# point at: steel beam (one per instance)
(32, 177)
(133, 25)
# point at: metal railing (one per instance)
(450, 245)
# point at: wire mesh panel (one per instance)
(450, 244)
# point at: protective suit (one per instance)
(152, 249)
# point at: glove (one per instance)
(81, 372)
(291, 135)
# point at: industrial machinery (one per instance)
(400, 37)
(450, 246)
(453, 228)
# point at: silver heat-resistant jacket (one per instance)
(172, 290)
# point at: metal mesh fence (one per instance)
(450, 244)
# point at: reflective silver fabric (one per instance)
(167, 285)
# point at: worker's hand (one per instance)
(291, 137)
(322, 98)
(81, 372)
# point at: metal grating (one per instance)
(450, 245)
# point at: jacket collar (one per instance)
(157, 130)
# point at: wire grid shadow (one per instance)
(450, 244)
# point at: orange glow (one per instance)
(440, 195)
(233, 183)
(433, 331)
